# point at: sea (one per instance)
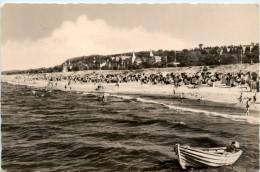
(73, 131)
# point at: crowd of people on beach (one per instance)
(250, 79)
(195, 80)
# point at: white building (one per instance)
(154, 59)
(125, 57)
(65, 67)
(158, 59)
(133, 58)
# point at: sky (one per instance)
(45, 35)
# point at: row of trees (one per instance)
(195, 57)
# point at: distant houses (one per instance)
(114, 62)
(66, 67)
(164, 58)
(138, 61)
(248, 47)
(154, 59)
(122, 62)
(228, 49)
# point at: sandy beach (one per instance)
(217, 93)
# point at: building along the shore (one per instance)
(154, 59)
(66, 67)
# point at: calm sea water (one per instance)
(72, 131)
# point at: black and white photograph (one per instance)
(129, 87)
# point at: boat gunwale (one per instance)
(212, 153)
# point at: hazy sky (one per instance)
(42, 35)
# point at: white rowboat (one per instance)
(205, 157)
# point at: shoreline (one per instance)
(216, 94)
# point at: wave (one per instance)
(123, 97)
(249, 119)
(90, 93)
(150, 101)
(179, 124)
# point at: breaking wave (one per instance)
(248, 119)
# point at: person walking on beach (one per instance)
(174, 89)
(247, 106)
(240, 99)
(50, 82)
(254, 98)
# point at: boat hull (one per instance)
(199, 157)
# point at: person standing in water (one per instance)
(182, 96)
(104, 98)
(34, 92)
(247, 106)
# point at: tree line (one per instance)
(207, 56)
